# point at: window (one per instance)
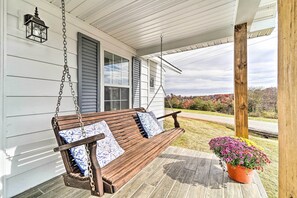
(152, 81)
(116, 82)
(153, 74)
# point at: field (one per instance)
(223, 115)
(199, 133)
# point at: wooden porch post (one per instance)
(240, 80)
(287, 97)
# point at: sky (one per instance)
(209, 70)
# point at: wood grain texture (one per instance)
(240, 80)
(177, 172)
(201, 177)
(143, 191)
(287, 97)
(250, 190)
(139, 151)
(215, 179)
(232, 189)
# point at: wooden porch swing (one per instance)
(125, 127)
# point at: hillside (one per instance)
(262, 102)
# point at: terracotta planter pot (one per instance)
(240, 174)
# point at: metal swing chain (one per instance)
(77, 109)
(161, 83)
(162, 75)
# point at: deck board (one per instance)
(177, 172)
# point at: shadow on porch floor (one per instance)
(177, 172)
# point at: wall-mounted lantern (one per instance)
(36, 29)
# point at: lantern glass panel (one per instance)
(36, 31)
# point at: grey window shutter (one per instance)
(88, 74)
(136, 82)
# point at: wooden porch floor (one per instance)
(177, 172)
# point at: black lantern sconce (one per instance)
(36, 29)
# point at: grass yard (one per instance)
(224, 115)
(199, 133)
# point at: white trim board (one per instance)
(3, 14)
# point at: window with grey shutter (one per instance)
(88, 74)
(136, 82)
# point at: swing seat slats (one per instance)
(125, 126)
(134, 160)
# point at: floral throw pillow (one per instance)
(149, 123)
(108, 148)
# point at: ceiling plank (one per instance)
(101, 13)
(173, 17)
(174, 24)
(201, 38)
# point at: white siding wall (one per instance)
(2, 65)
(157, 105)
(32, 78)
(144, 83)
(31, 82)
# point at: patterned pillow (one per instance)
(149, 123)
(107, 149)
(155, 118)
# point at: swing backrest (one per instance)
(123, 124)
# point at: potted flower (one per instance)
(242, 156)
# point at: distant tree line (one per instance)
(261, 102)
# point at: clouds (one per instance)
(210, 70)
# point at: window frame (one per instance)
(129, 86)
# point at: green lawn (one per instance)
(223, 115)
(199, 133)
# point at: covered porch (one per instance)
(133, 29)
(177, 172)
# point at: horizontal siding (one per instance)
(157, 105)
(27, 139)
(54, 42)
(22, 106)
(36, 51)
(21, 86)
(21, 125)
(27, 157)
(27, 179)
(144, 83)
(32, 80)
(22, 67)
(53, 17)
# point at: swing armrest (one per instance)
(87, 140)
(174, 116)
(170, 114)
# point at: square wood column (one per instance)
(287, 97)
(240, 80)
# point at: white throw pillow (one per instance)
(108, 148)
(149, 123)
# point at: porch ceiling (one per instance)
(185, 24)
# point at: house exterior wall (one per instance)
(31, 82)
(2, 109)
(157, 105)
(149, 68)
(144, 83)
